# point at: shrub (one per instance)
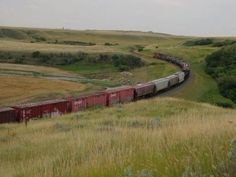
(221, 66)
(107, 44)
(76, 43)
(205, 41)
(123, 68)
(120, 61)
(35, 54)
(223, 43)
(227, 88)
(225, 104)
(129, 61)
(139, 48)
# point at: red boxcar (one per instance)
(78, 104)
(42, 109)
(88, 100)
(119, 95)
(96, 99)
(7, 115)
(142, 90)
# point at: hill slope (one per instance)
(156, 137)
(65, 48)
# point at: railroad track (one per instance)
(109, 97)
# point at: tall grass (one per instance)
(157, 137)
(16, 89)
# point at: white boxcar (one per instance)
(181, 76)
(173, 80)
(161, 84)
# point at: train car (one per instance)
(96, 100)
(181, 76)
(50, 108)
(161, 84)
(78, 104)
(119, 95)
(7, 115)
(184, 66)
(159, 56)
(142, 90)
(173, 80)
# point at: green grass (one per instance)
(143, 137)
(88, 69)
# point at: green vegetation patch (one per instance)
(223, 43)
(81, 43)
(210, 41)
(204, 41)
(121, 62)
(221, 65)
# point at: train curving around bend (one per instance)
(108, 97)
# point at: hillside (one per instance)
(18, 89)
(144, 138)
(96, 36)
(92, 55)
(201, 86)
(96, 59)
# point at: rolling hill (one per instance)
(184, 134)
(157, 137)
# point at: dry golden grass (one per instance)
(163, 137)
(18, 46)
(22, 89)
(32, 68)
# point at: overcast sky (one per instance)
(183, 17)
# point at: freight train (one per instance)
(108, 97)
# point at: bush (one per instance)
(223, 43)
(221, 66)
(120, 61)
(140, 48)
(225, 104)
(36, 54)
(129, 61)
(107, 44)
(123, 68)
(205, 41)
(227, 88)
(75, 43)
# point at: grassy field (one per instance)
(145, 138)
(25, 46)
(17, 89)
(40, 70)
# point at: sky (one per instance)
(180, 17)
